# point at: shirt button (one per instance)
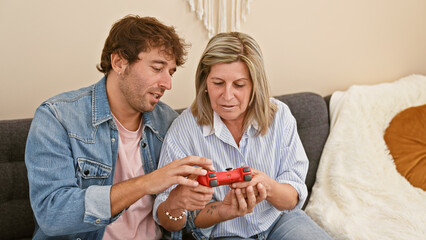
(98, 221)
(112, 139)
(143, 145)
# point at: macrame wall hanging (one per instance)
(221, 15)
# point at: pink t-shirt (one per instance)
(137, 222)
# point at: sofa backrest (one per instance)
(313, 126)
(16, 221)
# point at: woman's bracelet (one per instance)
(175, 218)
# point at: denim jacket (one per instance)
(70, 156)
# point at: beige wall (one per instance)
(51, 46)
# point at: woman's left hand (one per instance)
(257, 177)
(237, 204)
(281, 195)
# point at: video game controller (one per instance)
(214, 179)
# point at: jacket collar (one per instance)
(101, 111)
(147, 116)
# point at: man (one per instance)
(92, 153)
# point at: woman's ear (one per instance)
(118, 63)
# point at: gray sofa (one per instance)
(16, 221)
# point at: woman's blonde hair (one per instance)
(227, 48)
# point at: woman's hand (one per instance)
(257, 177)
(189, 198)
(183, 197)
(237, 204)
(281, 195)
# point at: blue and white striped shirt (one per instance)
(279, 154)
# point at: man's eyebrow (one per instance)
(159, 61)
(162, 62)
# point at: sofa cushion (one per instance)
(311, 113)
(17, 218)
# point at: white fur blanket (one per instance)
(358, 193)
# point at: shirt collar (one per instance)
(219, 125)
(253, 128)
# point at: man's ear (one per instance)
(118, 63)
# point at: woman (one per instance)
(234, 122)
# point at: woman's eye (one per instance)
(239, 85)
(217, 83)
(156, 69)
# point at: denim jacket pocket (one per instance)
(91, 172)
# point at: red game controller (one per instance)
(214, 179)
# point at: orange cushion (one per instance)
(406, 140)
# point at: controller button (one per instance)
(246, 169)
(214, 183)
(211, 175)
(247, 178)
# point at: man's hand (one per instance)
(125, 193)
(177, 172)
